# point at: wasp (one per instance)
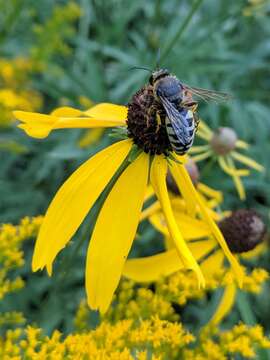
(176, 98)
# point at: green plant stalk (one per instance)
(181, 29)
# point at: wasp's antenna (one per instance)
(140, 68)
(158, 59)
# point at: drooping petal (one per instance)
(73, 201)
(182, 186)
(203, 156)
(225, 305)
(198, 149)
(150, 210)
(236, 179)
(212, 225)
(90, 137)
(210, 192)
(257, 251)
(212, 263)
(158, 180)
(242, 144)
(152, 268)
(40, 125)
(204, 131)
(114, 232)
(232, 172)
(247, 161)
(190, 228)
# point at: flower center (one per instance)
(243, 230)
(146, 123)
(223, 140)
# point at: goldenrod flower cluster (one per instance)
(11, 255)
(128, 340)
(53, 35)
(119, 341)
(240, 340)
(15, 89)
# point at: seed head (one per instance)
(243, 230)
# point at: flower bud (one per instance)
(194, 174)
(223, 140)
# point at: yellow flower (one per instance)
(123, 169)
(222, 145)
(211, 198)
(243, 231)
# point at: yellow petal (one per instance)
(32, 118)
(230, 171)
(212, 264)
(197, 149)
(150, 210)
(191, 205)
(152, 268)
(36, 131)
(212, 225)
(169, 243)
(108, 112)
(158, 180)
(202, 156)
(237, 180)
(205, 128)
(149, 193)
(114, 232)
(66, 111)
(91, 137)
(209, 192)
(225, 305)
(204, 131)
(40, 125)
(247, 161)
(258, 250)
(190, 228)
(242, 144)
(73, 201)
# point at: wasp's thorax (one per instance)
(146, 122)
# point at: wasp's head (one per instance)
(157, 75)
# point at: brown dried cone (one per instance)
(146, 122)
(243, 230)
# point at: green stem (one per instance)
(181, 29)
(245, 309)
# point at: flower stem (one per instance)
(181, 29)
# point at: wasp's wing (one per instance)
(208, 95)
(177, 120)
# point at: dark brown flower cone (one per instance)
(243, 230)
(146, 122)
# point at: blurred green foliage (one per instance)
(86, 48)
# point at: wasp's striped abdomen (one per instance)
(181, 140)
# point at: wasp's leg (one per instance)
(159, 122)
(191, 105)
